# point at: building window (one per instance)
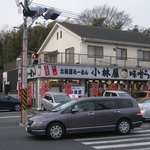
(51, 57)
(121, 53)
(69, 55)
(61, 34)
(57, 35)
(95, 51)
(143, 55)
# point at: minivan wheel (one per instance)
(123, 126)
(17, 107)
(55, 131)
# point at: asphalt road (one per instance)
(14, 137)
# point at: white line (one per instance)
(140, 131)
(114, 137)
(9, 117)
(122, 145)
(115, 141)
(146, 148)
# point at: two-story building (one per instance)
(83, 55)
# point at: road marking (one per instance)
(122, 145)
(9, 117)
(145, 148)
(114, 137)
(115, 141)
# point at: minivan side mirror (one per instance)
(74, 110)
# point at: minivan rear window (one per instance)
(106, 104)
(125, 103)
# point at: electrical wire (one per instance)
(65, 13)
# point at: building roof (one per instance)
(97, 34)
(102, 35)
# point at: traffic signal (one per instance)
(37, 11)
(51, 13)
(34, 59)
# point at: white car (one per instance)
(110, 93)
(145, 108)
(52, 99)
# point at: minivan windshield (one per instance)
(124, 95)
(61, 98)
(63, 105)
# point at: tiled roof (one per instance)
(98, 33)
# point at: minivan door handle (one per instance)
(91, 113)
(116, 111)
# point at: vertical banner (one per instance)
(68, 88)
(112, 87)
(19, 90)
(46, 69)
(95, 89)
(54, 69)
(147, 89)
(29, 96)
(44, 88)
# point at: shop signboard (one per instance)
(87, 72)
(78, 90)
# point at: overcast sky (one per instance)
(139, 10)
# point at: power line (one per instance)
(65, 13)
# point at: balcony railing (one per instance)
(84, 59)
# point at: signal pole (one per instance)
(24, 70)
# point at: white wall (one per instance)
(69, 40)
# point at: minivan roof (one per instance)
(103, 98)
(113, 91)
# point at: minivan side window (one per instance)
(125, 103)
(106, 104)
(107, 94)
(114, 94)
(85, 106)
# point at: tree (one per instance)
(105, 16)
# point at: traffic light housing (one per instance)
(37, 11)
(51, 13)
(34, 59)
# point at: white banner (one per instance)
(84, 72)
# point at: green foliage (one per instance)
(11, 41)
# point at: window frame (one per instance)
(141, 55)
(121, 51)
(95, 51)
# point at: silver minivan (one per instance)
(52, 99)
(111, 93)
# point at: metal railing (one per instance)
(85, 59)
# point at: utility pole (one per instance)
(24, 70)
(34, 13)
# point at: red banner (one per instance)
(95, 89)
(19, 90)
(68, 88)
(44, 88)
(112, 87)
(47, 72)
(54, 69)
(29, 97)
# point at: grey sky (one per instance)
(137, 9)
